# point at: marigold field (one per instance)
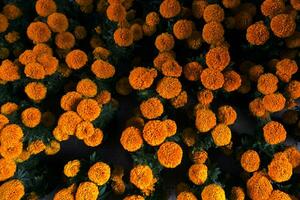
(149, 99)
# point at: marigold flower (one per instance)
(72, 168)
(164, 42)
(280, 169)
(186, 196)
(12, 37)
(58, 22)
(141, 78)
(168, 87)
(205, 97)
(293, 89)
(171, 127)
(227, 115)
(87, 87)
(95, 139)
(7, 169)
(274, 133)
(10, 149)
(131, 139)
(257, 33)
(68, 122)
(221, 135)
(148, 30)
(123, 37)
(217, 58)
(76, 59)
(103, 69)
(152, 108)
(25, 155)
(213, 32)
(237, 193)
(212, 79)
(61, 134)
(104, 97)
(53, 148)
(180, 100)
(267, 83)
(11, 133)
(285, 69)
(198, 8)
(205, 120)
(9, 71)
(198, 173)
(271, 8)
(65, 40)
(293, 155)
(255, 72)
(192, 71)
(155, 132)
(169, 154)
(38, 32)
(34, 70)
(87, 190)
(250, 161)
(152, 19)
(49, 63)
(213, 192)
(36, 91)
(257, 108)
(84, 130)
(9, 108)
(171, 68)
(116, 12)
(161, 58)
(40, 49)
(65, 193)
(99, 173)
(142, 177)
(169, 8)
(4, 23)
(274, 102)
(213, 12)
(183, 29)
(3, 121)
(31, 117)
(45, 7)
(12, 189)
(11, 11)
(88, 109)
(36, 147)
(134, 197)
(283, 25)
(199, 157)
(277, 194)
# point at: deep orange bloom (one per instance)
(131, 139)
(183, 29)
(152, 19)
(38, 32)
(95, 139)
(76, 59)
(9, 71)
(267, 83)
(3, 23)
(87, 190)
(186, 196)
(87, 87)
(45, 7)
(7, 169)
(250, 161)
(274, 133)
(49, 63)
(217, 58)
(169, 154)
(155, 132)
(192, 71)
(213, 32)
(169, 8)
(283, 25)
(257, 108)
(65, 40)
(198, 8)
(212, 79)
(31, 117)
(221, 135)
(280, 169)
(227, 115)
(271, 8)
(116, 12)
(88, 109)
(274, 102)
(12, 189)
(58, 22)
(164, 42)
(152, 108)
(257, 33)
(36, 91)
(168, 87)
(198, 173)
(141, 78)
(123, 37)
(11, 11)
(205, 120)
(259, 187)
(213, 12)
(171, 68)
(213, 192)
(285, 68)
(99, 173)
(293, 89)
(237, 193)
(103, 69)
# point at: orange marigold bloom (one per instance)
(95, 139)
(11, 133)
(152, 19)
(68, 121)
(3, 23)
(169, 154)
(171, 127)
(186, 196)
(271, 8)
(277, 194)
(217, 58)
(141, 78)
(31, 117)
(183, 29)
(142, 177)
(255, 72)
(34, 71)
(65, 40)
(250, 161)
(134, 197)
(11, 11)
(221, 135)
(42, 48)
(164, 42)
(198, 173)
(205, 97)
(161, 58)
(169, 8)
(180, 100)
(283, 25)
(7, 169)
(116, 12)
(231, 3)
(274, 102)
(9, 108)
(227, 115)
(72, 168)
(293, 89)
(9, 71)
(152, 108)
(293, 155)
(213, 192)
(192, 71)
(274, 133)
(12, 189)
(199, 157)
(36, 91)
(103, 69)
(257, 33)
(38, 32)
(213, 12)
(285, 68)
(171, 68)
(45, 7)
(233, 81)
(131, 139)
(212, 79)
(123, 37)
(53, 148)
(49, 63)
(99, 173)
(155, 132)
(11, 149)
(213, 32)
(104, 97)
(198, 8)
(76, 59)
(60, 134)
(267, 83)
(28, 56)
(3, 121)
(12, 37)
(257, 108)
(87, 190)
(58, 22)
(205, 120)
(88, 109)
(168, 87)
(280, 169)
(65, 193)
(237, 193)
(36, 147)
(87, 87)
(84, 130)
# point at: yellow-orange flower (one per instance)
(36, 147)
(274, 133)
(293, 155)
(134, 197)
(213, 192)
(9, 108)
(35, 71)
(205, 120)
(257, 108)
(72, 168)
(161, 58)
(257, 33)
(31, 117)
(217, 58)
(221, 135)
(213, 12)
(280, 169)
(131, 139)
(169, 8)
(103, 69)
(141, 78)
(36, 91)
(123, 37)
(212, 79)
(95, 139)
(283, 25)
(192, 71)
(285, 68)
(168, 87)
(76, 59)
(237, 193)
(40, 49)
(171, 68)
(271, 8)
(53, 148)
(227, 115)
(13, 189)
(267, 83)
(104, 97)
(169, 154)
(186, 196)
(70, 100)
(151, 108)
(65, 193)
(84, 130)
(155, 132)
(68, 121)
(49, 63)
(45, 7)
(87, 190)
(9, 71)
(11, 11)
(250, 161)
(28, 56)
(38, 32)
(199, 157)
(3, 121)
(11, 133)
(198, 173)
(293, 89)
(116, 12)
(87, 87)
(7, 169)
(164, 42)
(88, 109)
(152, 19)
(99, 173)
(183, 29)
(213, 32)
(65, 40)
(274, 102)
(277, 194)
(58, 22)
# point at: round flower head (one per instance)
(205, 97)
(141, 78)
(164, 42)
(95, 139)
(68, 121)
(267, 83)
(40, 49)
(72, 168)
(76, 59)
(34, 71)
(227, 115)
(271, 8)
(237, 193)
(293, 89)
(283, 25)
(217, 58)
(38, 32)
(180, 100)
(65, 193)
(186, 196)
(198, 173)
(168, 87)
(183, 29)
(171, 127)
(9, 71)
(70, 101)
(36, 147)
(169, 154)
(155, 132)
(295, 4)
(7, 169)
(45, 7)
(99, 173)
(11, 11)
(198, 8)
(103, 69)
(11, 133)
(274, 102)
(233, 81)
(169, 8)
(12, 189)
(280, 169)
(213, 192)
(255, 72)
(134, 197)
(58, 22)
(12, 37)
(293, 155)
(4, 23)
(285, 68)
(213, 12)
(104, 97)
(274, 133)
(9, 108)
(49, 63)
(171, 68)
(192, 71)
(205, 120)
(250, 161)
(199, 157)
(212, 79)
(53, 148)
(65, 40)
(87, 87)
(60, 133)
(213, 32)
(277, 194)
(142, 176)
(87, 190)
(123, 37)
(36, 91)
(116, 12)
(11, 149)
(131, 139)
(88, 109)
(152, 108)
(221, 135)
(161, 58)
(31, 117)
(152, 19)
(257, 33)
(28, 56)
(84, 130)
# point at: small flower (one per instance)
(237, 193)
(68, 121)
(38, 32)
(36, 147)
(205, 120)
(213, 192)
(169, 154)
(116, 12)
(11, 11)
(164, 42)
(87, 190)
(257, 33)
(285, 68)
(152, 19)
(9, 71)
(280, 169)
(271, 8)
(99, 173)
(283, 25)
(192, 71)
(221, 135)
(65, 40)
(142, 177)
(4, 23)
(274, 133)
(76, 59)
(168, 87)
(169, 8)
(213, 12)
(198, 8)
(186, 196)
(134, 197)
(88, 109)
(45, 7)
(212, 79)
(213, 32)
(155, 132)
(95, 139)
(72, 168)
(7, 169)
(84, 130)
(12, 189)
(123, 37)
(36, 91)
(31, 117)
(293, 89)
(274, 102)
(198, 173)
(267, 83)
(131, 139)
(87, 87)
(8, 108)
(217, 58)
(152, 108)
(183, 29)
(103, 69)
(227, 115)
(141, 78)
(250, 161)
